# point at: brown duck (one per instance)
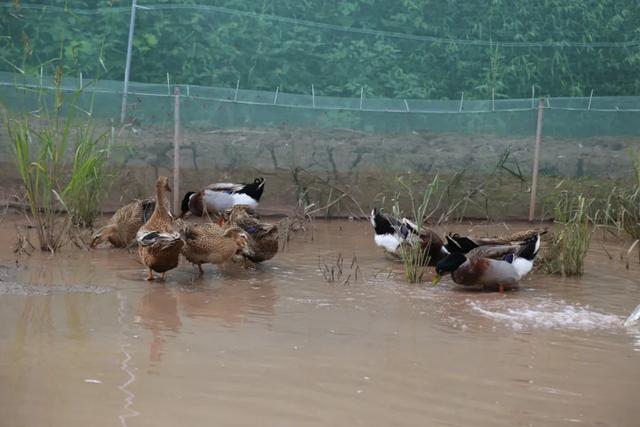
(159, 244)
(263, 237)
(124, 224)
(212, 243)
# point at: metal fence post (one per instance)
(176, 151)
(536, 159)
(127, 68)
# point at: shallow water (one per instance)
(85, 340)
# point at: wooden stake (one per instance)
(176, 152)
(536, 160)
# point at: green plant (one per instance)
(572, 235)
(62, 163)
(629, 200)
(85, 188)
(414, 255)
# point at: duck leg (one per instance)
(150, 276)
(200, 269)
(162, 276)
(501, 288)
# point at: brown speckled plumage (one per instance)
(124, 224)
(159, 244)
(212, 243)
(263, 237)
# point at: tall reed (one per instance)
(572, 235)
(62, 162)
(629, 200)
(414, 255)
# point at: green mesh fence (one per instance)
(300, 97)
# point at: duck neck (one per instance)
(160, 210)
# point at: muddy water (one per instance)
(84, 340)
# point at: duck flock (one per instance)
(238, 234)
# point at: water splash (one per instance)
(545, 315)
(124, 364)
(633, 317)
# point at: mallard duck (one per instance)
(158, 243)
(124, 224)
(212, 243)
(221, 196)
(391, 233)
(463, 244)
(501, 266)
(263, 237)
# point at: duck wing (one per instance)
(521, 236)
(150, 238)
(494, 252)
(226, 187)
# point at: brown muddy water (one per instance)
(86, 341)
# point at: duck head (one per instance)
(162, 183)
(184, 206)
(447, 265)
(241, 239)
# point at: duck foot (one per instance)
(150, 277)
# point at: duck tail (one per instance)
(459, 244)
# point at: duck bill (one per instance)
(436, 279)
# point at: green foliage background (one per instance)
(218, 48)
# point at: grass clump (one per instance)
(414, 255)
(62, 161)
(572, 235)
(629, 200)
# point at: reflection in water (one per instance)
(160, 307)
(230, 302)
(158, 311)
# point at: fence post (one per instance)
(176, 151)
(536, 159)
(127, 67)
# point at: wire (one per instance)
(324, 26)
(27, 86)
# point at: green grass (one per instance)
(414, 256)
(62, 162)
(572, 235)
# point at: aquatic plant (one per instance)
(62, 162)
(629, 200)
(414, 256)
(572, 235)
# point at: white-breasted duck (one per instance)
(490, 267)
(391, 233)
(221, 196)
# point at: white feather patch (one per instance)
(387, 241)
(219, 201)
(522, 266)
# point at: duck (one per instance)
(159, 244)
(464, 244)
(121, 229)
(392, 233)
(263, 237)
(220, 196)
(490, 266)
(212, 243)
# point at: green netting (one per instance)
(351, 99)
